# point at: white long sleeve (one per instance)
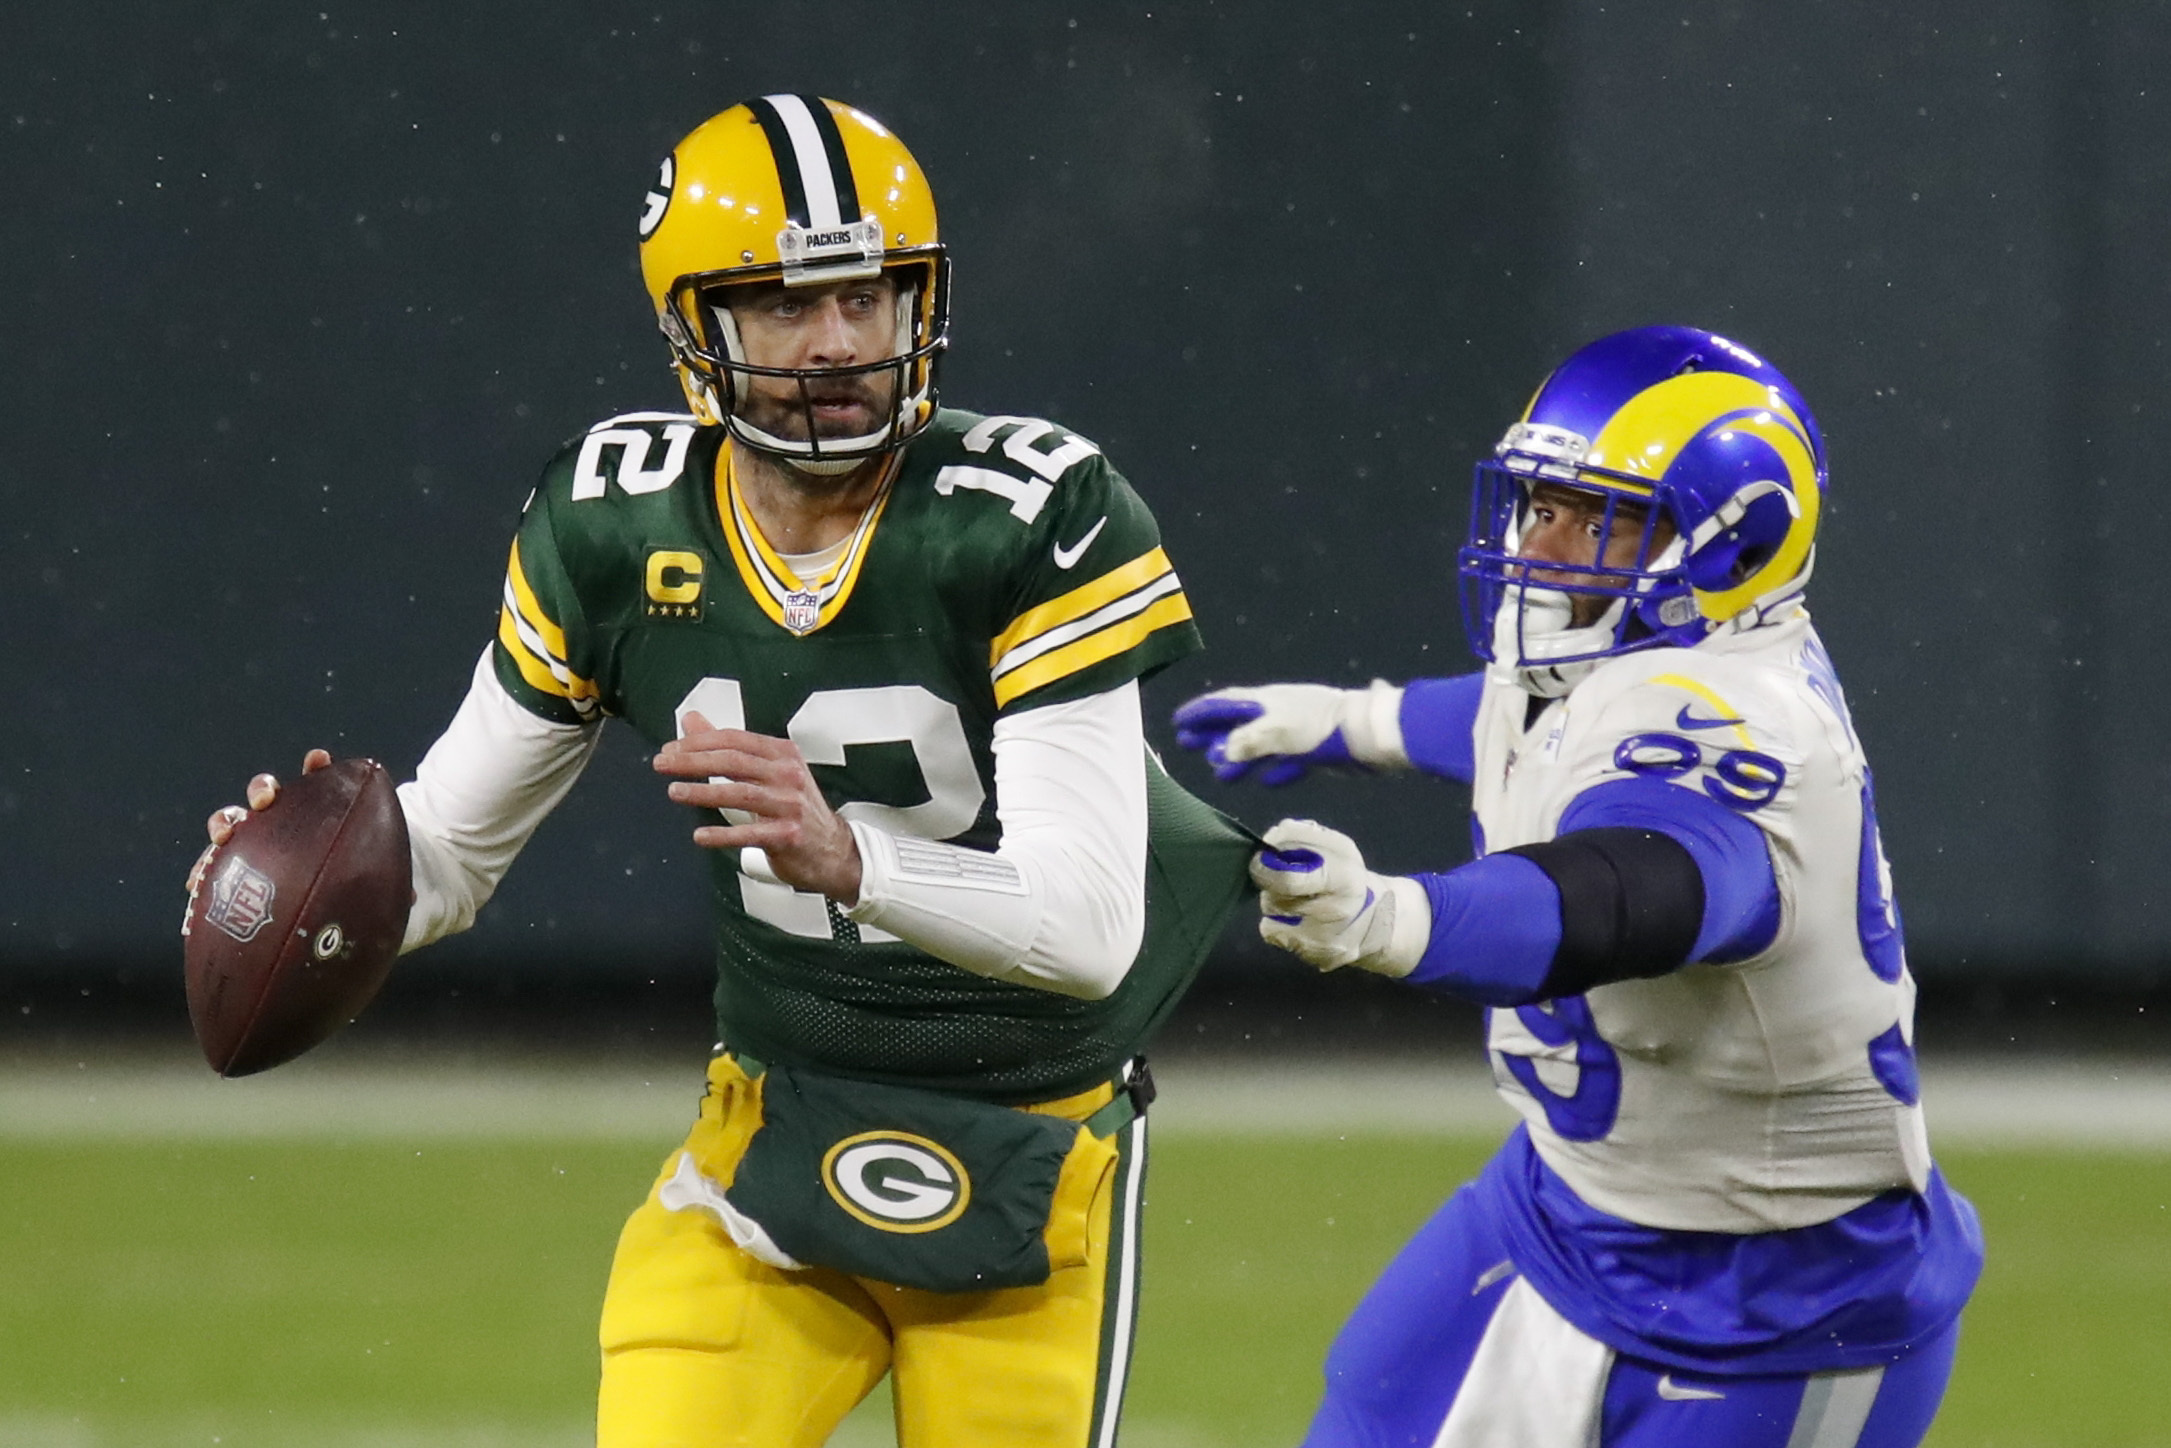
(477, 798)
(1060, 903)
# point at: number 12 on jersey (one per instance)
(825, 727)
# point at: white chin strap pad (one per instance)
(728, 328)
(908, 301)
(1536, 624)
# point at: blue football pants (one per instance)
(1394, 1371)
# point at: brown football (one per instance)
(298, 917)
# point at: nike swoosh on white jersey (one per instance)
(1067, 558)
(1674, 1393)
(1686, 720)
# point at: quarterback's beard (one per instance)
(794, 418)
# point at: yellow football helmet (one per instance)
(800, 190)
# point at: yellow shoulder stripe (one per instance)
(1079, 602)
(545, 675)
(531, 608)
(533, 669)
(1090, 650)
(536, 645)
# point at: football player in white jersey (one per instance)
(1718, 1222)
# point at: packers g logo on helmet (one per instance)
(658, 201)
(896, 1181)
(798, 190)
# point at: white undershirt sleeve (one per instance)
(1060, 903)
(479, 794)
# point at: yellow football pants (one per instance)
(706, 1347)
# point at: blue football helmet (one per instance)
(1655, 423)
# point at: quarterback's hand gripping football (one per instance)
(776, 807)
(1286, 730)
(262, 790)
(1322, 905)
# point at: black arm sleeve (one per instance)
(1631, 904)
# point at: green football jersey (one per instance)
(1006, 567)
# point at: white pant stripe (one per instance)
(1126, 1304)
(1537, 1380)
(1834, 1408)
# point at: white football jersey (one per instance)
(1746, 1097)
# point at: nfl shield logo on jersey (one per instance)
(240, 900)
(801, 612)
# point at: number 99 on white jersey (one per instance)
(1760, 1095)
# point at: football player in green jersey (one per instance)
(892, 651)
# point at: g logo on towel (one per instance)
(896, 1182)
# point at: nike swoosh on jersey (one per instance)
(1686, 720)
(1067, 558)
(1674, 1393)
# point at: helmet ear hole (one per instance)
(1737, 553)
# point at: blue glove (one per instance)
(1286, 730)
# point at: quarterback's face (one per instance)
(1566, 525)
(815, 328)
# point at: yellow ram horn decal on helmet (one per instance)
(1792, 555)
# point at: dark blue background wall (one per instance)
(297, 301)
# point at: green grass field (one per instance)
(294, 1292)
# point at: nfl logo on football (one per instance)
(240, 900)
(801, 612)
